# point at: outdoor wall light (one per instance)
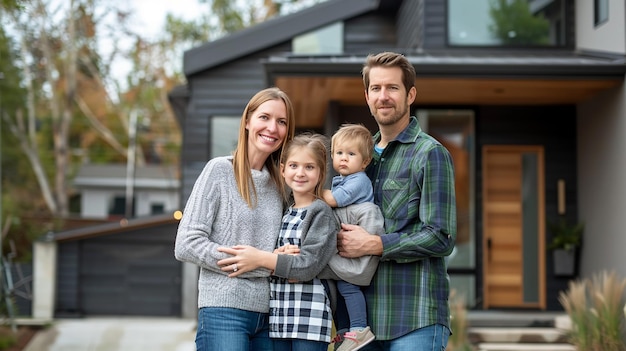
(561, 196)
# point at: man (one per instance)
(413, 179)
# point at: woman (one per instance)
(238, 200)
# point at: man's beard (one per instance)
(390, 119)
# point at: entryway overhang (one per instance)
(460, 80)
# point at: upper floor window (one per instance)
(325, 41)
(600, 11)
(515, 23)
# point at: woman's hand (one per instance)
(288, 249)
(244, 259)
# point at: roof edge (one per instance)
(446, 66)
(123, 225)
(271, 32)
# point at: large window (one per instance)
(455, 130)
(516, 23)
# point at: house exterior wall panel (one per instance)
(602, 189)
(411, 25)
(435, 22)
(67, 283)
(95, 203)
(369, 33)
(607, 37)
(132, 273)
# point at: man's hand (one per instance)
(354, 241)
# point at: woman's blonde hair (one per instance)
(241, 164)
(317, 144)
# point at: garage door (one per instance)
(122, 274)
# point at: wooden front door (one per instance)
(513, 226)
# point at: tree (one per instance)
(514, 24)
(73, 108)
(62, 104)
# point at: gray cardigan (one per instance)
(215, 215)
(318, 245)
(360, 270)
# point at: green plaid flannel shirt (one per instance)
(413, 182)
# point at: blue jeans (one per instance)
(299, 345)
(355, 303)
(431, 338)
(233, 330)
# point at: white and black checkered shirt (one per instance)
(298, 310)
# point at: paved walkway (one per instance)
(116, 334)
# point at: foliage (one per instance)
(597, 311)
(70, 109)
(458, 340)
(564, 235)
(61, 104)
(20, 193)
(7, 339)
(514, 24)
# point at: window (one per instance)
(516, 23)
(224, 134)
(157, 209)
(600, 11)
(455, 130)
(326, 40)
(117, 207)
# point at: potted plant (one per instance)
(566, 241)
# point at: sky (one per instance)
(148, 20)
(151, 13)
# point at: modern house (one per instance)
(530, 101)
(104, 188)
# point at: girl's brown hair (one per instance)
(317, 144)
(243, 174)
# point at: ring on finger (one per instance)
(235, 267)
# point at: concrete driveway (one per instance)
(116, 334)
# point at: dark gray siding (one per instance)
(435, 22)
(570, 26)
(68, 264)
(133, 273)
(411, 25)
(369, 34)
(554, 127)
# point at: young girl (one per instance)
(300, 315)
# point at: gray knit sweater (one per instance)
(215, 215)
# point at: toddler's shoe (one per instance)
(355, 340)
